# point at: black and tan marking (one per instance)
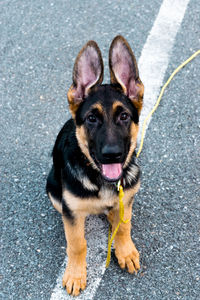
(93, 150)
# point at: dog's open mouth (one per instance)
(112, 172)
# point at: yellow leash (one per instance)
(121, 220)
(119, 186)
(160, 96)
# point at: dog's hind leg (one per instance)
(74, 278)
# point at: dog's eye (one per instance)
(92, 118)
(124, 116)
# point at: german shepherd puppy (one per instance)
(93, 151)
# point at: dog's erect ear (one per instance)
(88, 72)
(124, 70)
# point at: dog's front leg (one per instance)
(125, 250)
(74, 278)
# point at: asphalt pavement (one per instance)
(39, 42)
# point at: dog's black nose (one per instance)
(111, 152)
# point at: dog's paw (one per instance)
(74, 280)
(127, 256)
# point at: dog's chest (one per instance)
(109, 199)
(106, 200)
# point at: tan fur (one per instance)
(98, 106)
(125, 250)
(136, 101)
(83, 144)
(139, 101)
(74, 278)
(73, 105)
(56, 204)
(134, 132)
(132, 173)
(88, 184)
(117, 104)
(75, 274)
(106, 198)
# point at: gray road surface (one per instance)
(39, 42)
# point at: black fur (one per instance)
(105, 94)
(70, 164)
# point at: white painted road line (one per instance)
(96, 232)
(155, 55)
(152, 65)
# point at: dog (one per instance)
(93, 151)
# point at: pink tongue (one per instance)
(112, 171)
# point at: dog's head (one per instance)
(106, 116)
